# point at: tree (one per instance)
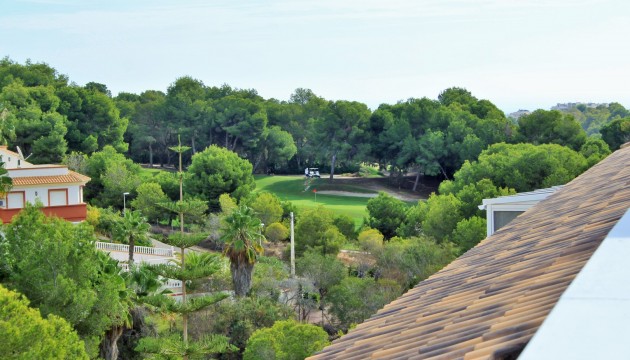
(594, 150)
(616, 133)
(412, 260)
(523, 167)
(24, 334)
(316, 230)
(551, 127)
(346, 226)
(386, 213)
(324, 271)
(242, 236)
(150, 195)
(339, 133)
(217, 171)
(133, 228)
(238, 319)
(112, 174)
(267, 207)
(441, 215)
(469, 232)
(356, 299)
(56, 265)
(285, 340)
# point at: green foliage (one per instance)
(469, 232)
(268, 276)
(551, 127)
(441, 213)
(174, 347)
(150, 195)
(133, 230)
(593, 119)
(324, 271)
(169, 183)
(277, 232)
(242, 238)
(617, 132)
(267, 207)
(285, 340)
(371, 240)
(227, 204)
(112, 175)
(56, 265)
(345, 224)
(217, 171)
(240, 318)
(24, 334)
(316, 230)
(386, 214)
(523, 167)
(412, 260)
(353, 300)
(594, 150)
(472, 195)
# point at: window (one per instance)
(502, 218)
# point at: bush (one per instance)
(371, 240)
(285, 340)
(469, 232)
(276, 232)
(345, 224)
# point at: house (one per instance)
(503, 209)
(59, 189)
(550, 284)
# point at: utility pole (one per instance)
(292, 249)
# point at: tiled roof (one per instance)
(490, 301)
(71, 178)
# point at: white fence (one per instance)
(144, 250)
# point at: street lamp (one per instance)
(125, 202)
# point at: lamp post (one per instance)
(125, 202)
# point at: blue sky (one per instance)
(516, 53)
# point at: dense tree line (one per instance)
(49, 116)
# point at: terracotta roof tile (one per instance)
(490, 301)
(71, 178)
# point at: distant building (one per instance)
(517, 114)
(572, 105)
(59, 189)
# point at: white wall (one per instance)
(41, 193)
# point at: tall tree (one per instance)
(242, 236)
(340, 133)
(198, 266)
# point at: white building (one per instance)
(59, 189)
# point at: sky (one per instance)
(519, 54)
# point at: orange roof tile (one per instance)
(71, 178)
(489, 302)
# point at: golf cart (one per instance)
(311, 173)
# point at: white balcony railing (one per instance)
(144, 250)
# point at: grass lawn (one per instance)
(292, 188)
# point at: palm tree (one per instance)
(242, 236)
(133, 227)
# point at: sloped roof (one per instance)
(71, 178)
(535, 195)
(489, 302)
